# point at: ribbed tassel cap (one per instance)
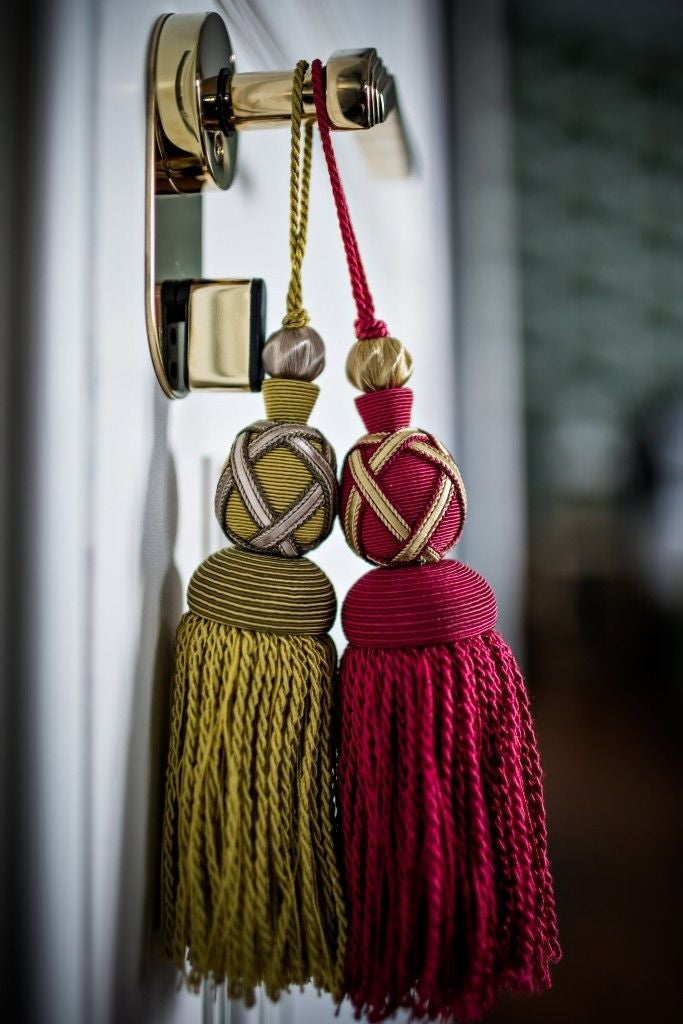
(258, 592)
(417, 606)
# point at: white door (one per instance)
(126, 477)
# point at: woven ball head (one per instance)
(277, 493)
(402, 498)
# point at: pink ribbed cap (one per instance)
(386, 410)
(418, 605)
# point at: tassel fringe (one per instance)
(449, 891)
(250, 888)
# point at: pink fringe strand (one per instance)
(445, 846)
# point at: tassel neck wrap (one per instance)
(385, 411)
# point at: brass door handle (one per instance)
(202, 102)
(197, 104)
(360, 94)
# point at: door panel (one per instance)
(142, 469)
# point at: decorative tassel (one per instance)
(449, 891)
(448, 887)
(251, 891)
(250, 887)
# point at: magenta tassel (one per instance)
(449, 889)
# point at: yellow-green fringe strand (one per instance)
(250, 886)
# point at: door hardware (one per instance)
(212, 334)
(209, 334)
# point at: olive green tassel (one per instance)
(251, 892)
(250, 887)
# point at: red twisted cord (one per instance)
(366, 326)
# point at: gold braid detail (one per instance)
(367, 489)
(299, 186)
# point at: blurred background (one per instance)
(533, 264)
(596, 97)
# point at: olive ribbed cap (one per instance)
(264, 593)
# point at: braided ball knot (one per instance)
(402, 498)
(277, 490)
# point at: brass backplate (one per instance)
(192, 52)
(183, 155)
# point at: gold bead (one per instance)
(374, 364)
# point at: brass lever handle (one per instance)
(360, 94)
(202, 103)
